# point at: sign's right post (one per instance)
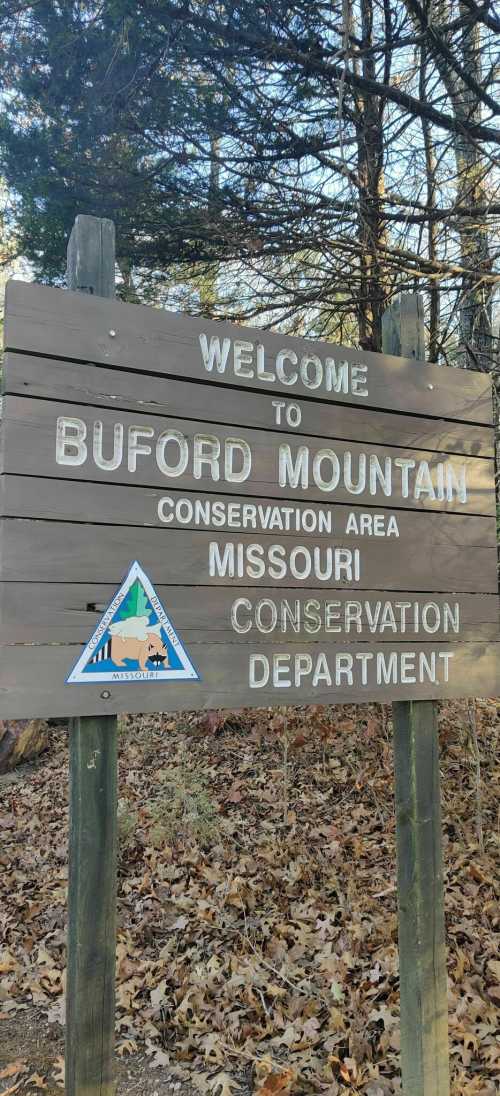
(422, 952)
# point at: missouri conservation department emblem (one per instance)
(134, 640)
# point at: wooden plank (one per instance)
(90, 990)
(111, 504)
(91, 256)
(120, 389)
(422, 953)
(60, 612)
(43, 320)
(90, 999)
(474, 669)
(29, 448)
(403, 327)
(57, 552)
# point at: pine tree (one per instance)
(136, 603)
(289, 163)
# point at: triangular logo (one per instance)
(134, 640)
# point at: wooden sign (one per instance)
(202, 515)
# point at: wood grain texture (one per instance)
(90, 989)
(58, 552)
(111, 504)
(91, 256)
(90, 1019)
(421, 932)
(403, 328)
(43, 320)
(28, 447)
(422, 954)
(59, 612)
(475, 671)
(120, 389)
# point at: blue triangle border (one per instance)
(187, 672)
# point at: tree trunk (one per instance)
(475, 305)
(430, 174)
(371, 232)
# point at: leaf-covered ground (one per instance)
(257, 946)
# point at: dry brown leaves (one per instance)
(257, 910)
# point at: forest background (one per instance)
(288, 164)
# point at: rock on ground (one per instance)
(21, 740)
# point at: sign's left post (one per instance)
(90, 988)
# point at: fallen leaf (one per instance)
(271, 1080)
(160, 1059)
(14, 1069)
(234, 795)
(7, 962)
(222, 1084)
(37, 1081)
(129, 1046)
(58, 1071)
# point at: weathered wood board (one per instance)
(311, 523)
(42, 320)
(31, 678)
(41, 438)
(62, 612)
(113, 504)
(58, 552)
(122, 389)
(93, 825)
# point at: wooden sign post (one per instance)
(199, 515)
(90, 981)
(421, 931)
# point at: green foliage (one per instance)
(96, 101)
(261, 161)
